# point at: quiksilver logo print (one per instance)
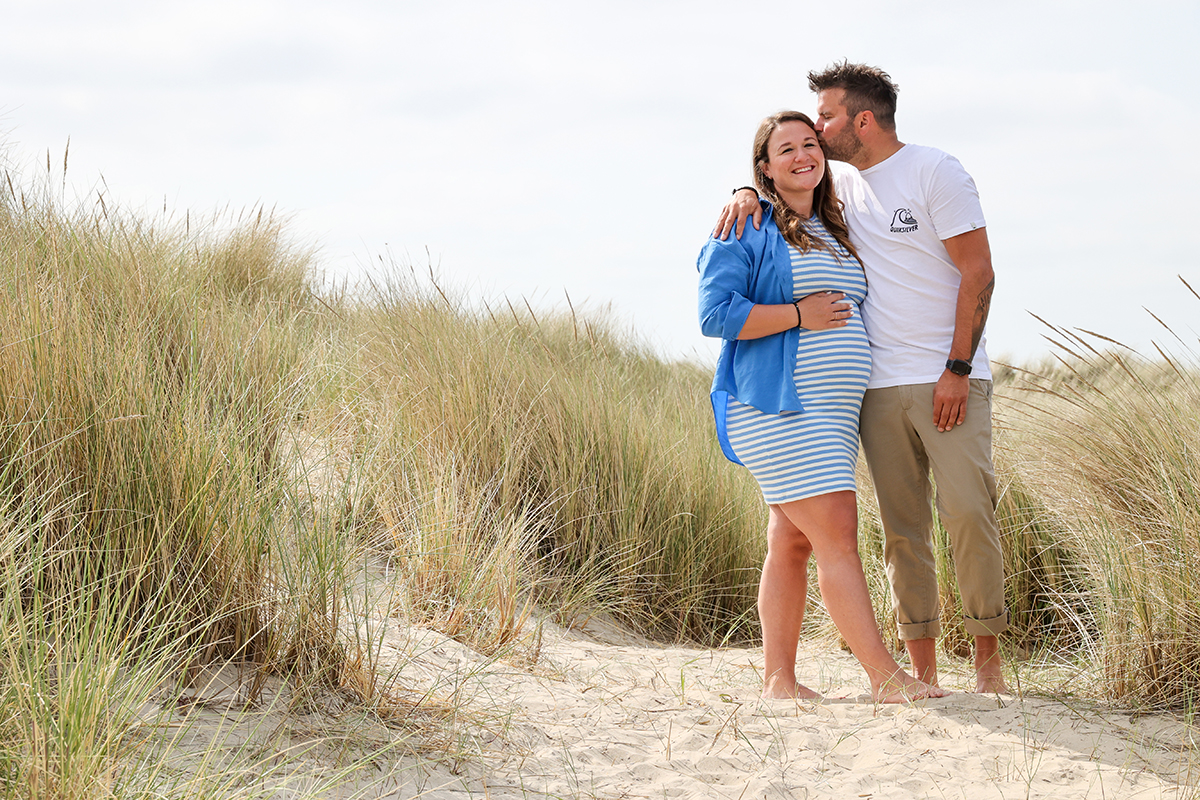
(903, 221)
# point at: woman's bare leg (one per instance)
(782, 595)
(829, 522)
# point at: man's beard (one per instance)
(844, 147)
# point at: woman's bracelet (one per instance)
(796, 305)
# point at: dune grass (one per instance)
(556, 441)
(201, 456)
(147, 377)
(1113, 448)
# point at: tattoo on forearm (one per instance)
(981, 314)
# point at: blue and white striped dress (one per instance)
(806, 453)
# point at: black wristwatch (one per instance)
(958, 366)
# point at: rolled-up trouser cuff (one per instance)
(919, 630)
(986, 627)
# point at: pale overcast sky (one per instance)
(540, 147)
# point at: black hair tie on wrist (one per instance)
(796, 305)
(751, 188)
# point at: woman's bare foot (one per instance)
(777, 689)
(904, 688)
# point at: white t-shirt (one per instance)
(898, 212)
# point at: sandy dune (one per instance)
(603, 716)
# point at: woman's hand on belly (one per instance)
(822, 311)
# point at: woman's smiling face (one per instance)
(795, 161)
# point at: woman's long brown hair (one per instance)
(826, 205)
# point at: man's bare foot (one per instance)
(777, 689)
(904, 688)
(990, 684)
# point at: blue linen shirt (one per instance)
(735, 274)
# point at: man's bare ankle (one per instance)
(989, 673)
(922, 656)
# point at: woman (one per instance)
(786, 396)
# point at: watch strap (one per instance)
(958, 366)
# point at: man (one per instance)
(915, 218)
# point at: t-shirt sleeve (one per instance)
(953, 199)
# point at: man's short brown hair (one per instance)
(866, 89)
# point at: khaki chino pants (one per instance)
(902, 446)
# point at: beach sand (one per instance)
(611, 717)
(602, 714)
